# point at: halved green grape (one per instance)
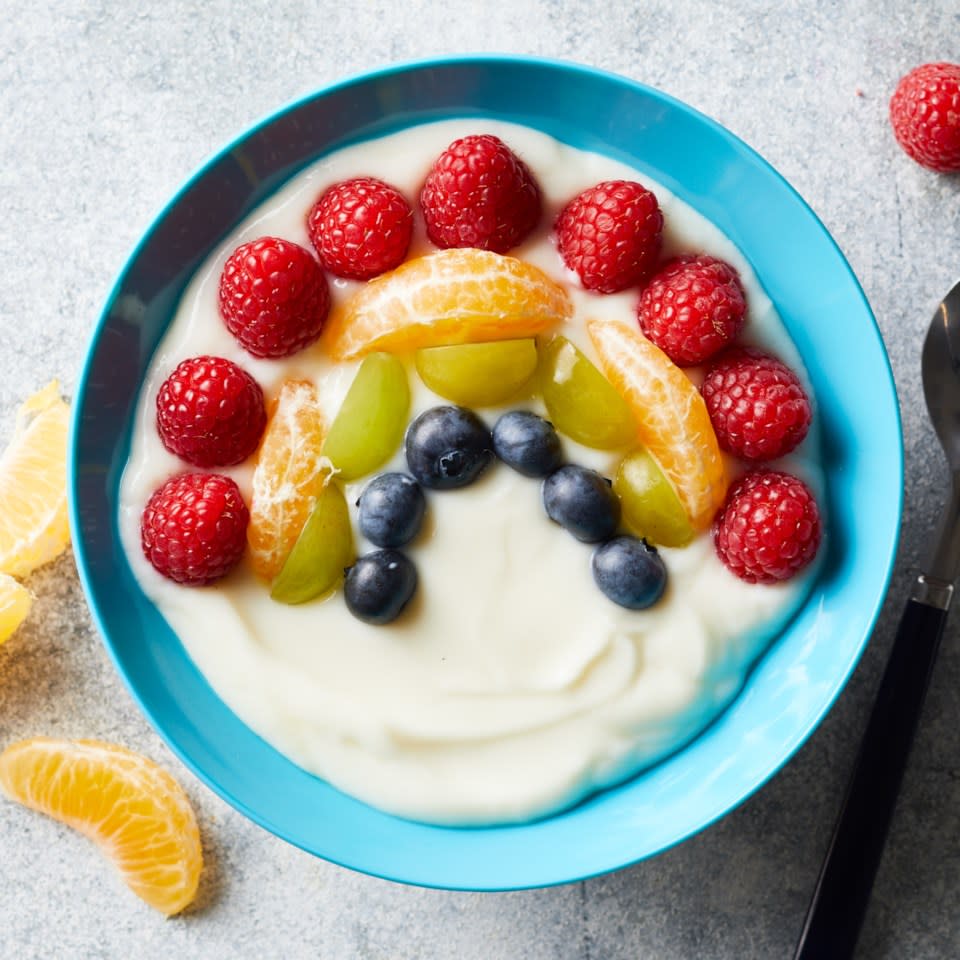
(582, 403)
(322, 551)
(478, 374)
(650, 506)
(369, 427)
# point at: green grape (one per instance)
(478, 374)
(650, 506)
(582, 403)
(369, 427)
(322, 551)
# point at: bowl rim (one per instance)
(483, 60)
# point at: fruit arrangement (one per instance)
(481, 329)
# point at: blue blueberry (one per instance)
(583, 502)
(379, 585)
(391, 509)
(447, 447)
(527, 443)
(630, 572)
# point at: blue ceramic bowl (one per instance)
(825, 312)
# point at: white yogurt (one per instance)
(511, 686)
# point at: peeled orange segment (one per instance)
(448, 297)
(15, 603)
(672, 419)
(132, 809)
(33, 485)
(289, 474)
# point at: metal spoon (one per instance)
(843, 889)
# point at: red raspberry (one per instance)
(361, 228)
(925, 114)
(210, 412)
(610, 235)
(479, 193)
(692, 307)
(273, 297)
(194, 527)
(769, 527)
(756, 403)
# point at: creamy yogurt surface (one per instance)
(510, 686)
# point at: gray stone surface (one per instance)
(106, 108)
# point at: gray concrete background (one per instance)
(106, 108)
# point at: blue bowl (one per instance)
(793, 685)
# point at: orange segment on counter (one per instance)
(132, 809)
(33, 485)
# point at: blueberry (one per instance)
(391, 509)
(527, 443)
(447, 447)
(583, 502)
(379, 585)
(630, 572)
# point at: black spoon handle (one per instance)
(846, 878)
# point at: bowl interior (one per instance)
(786, 694)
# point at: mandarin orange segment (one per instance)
(289, 474)
(132, 809)
(33, 485)
(447, 297)
(672, 419)
(15, 603)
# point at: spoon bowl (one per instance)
(940, 365)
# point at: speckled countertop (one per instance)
(105, 111)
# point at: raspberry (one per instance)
(756, 403)
(692, 307)
(194, 527)
(610, 235)
(479, 193)
(925, 115)
(361, 228)
(769, 527)
(273, 297)
(210, 412)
